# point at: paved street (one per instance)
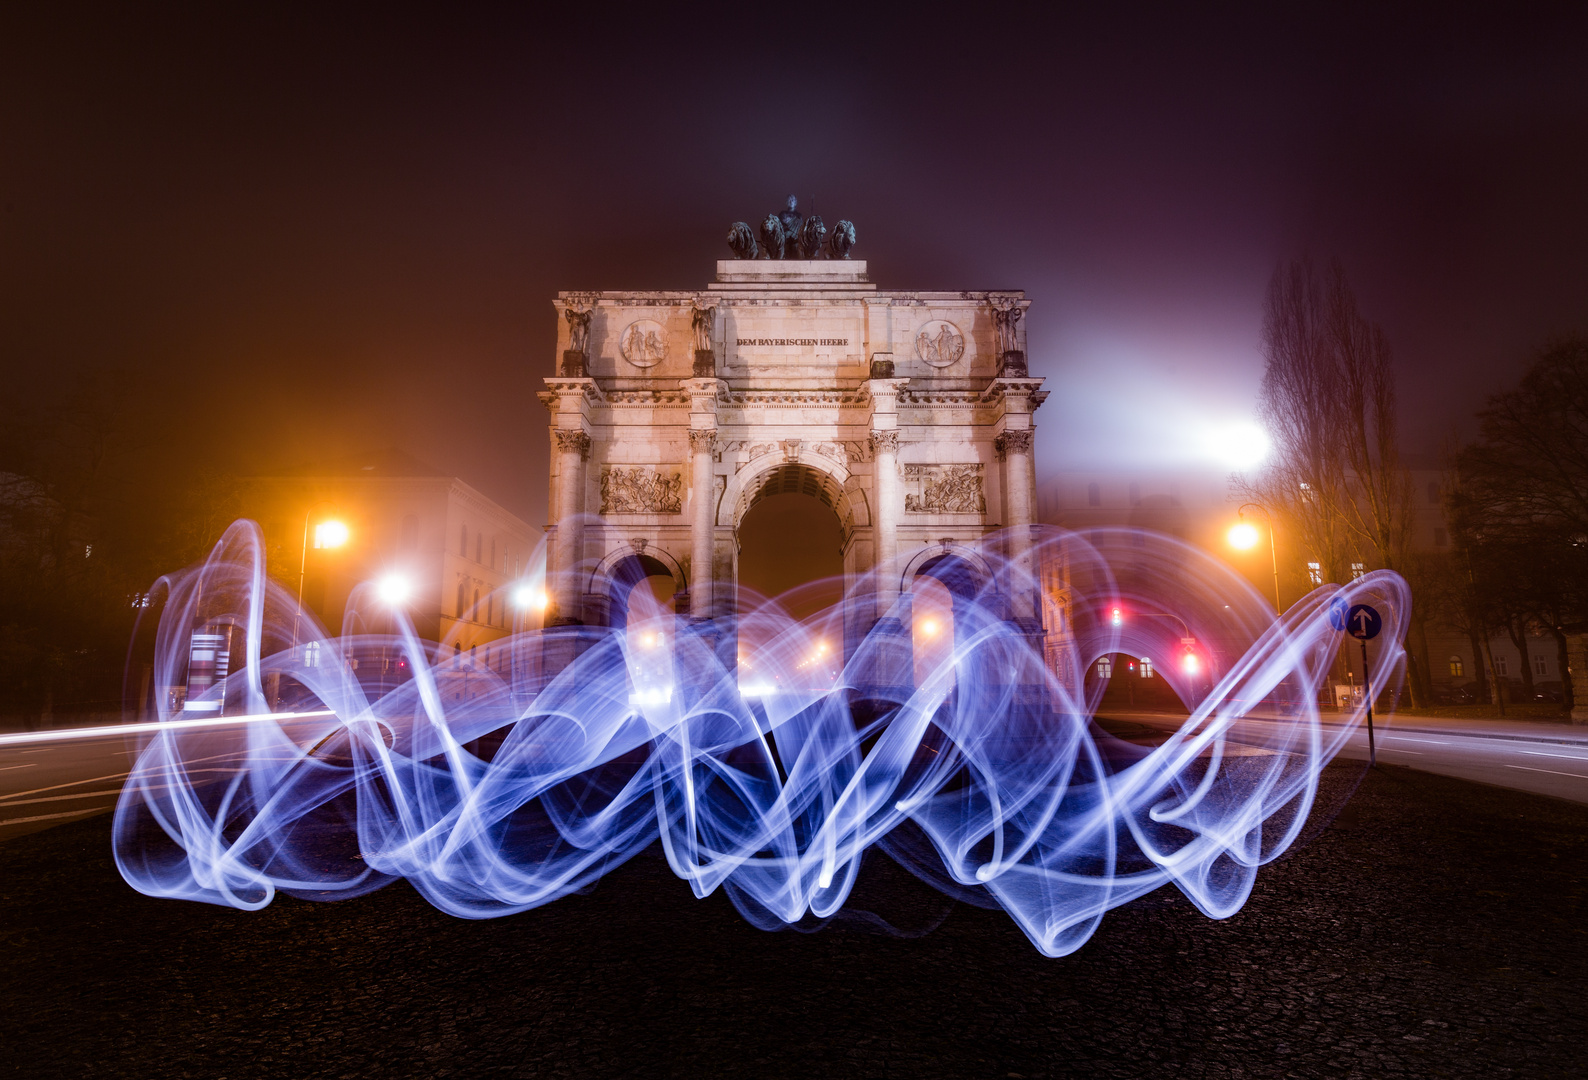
(1541, 757)
(1434, 928)
(46, 782)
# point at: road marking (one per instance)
(1545, 753)
(68, 734)
(71, 783)
(1552, 772)
(52, 817)
(1398, 750)
(28, 765)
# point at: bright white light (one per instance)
(756, 689)
(929, 628)
(330, 534)
(1243, 536)
(527, 596)
(1191, 664)
(655, 696)
(1241, 445)
(393, 589)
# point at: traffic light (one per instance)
(1116, 617)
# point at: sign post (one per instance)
(1364, 623)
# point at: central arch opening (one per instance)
(790, 537)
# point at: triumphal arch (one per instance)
(909, 413)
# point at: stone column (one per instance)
(573, 449)
(702, 514)
(702, 530)
(1014, 449)
(886, 512)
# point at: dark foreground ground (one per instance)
(1437, 928)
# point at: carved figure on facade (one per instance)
(1013, 442)
(644, 343)
(1006, 313)
(640, 490)
(578, 316)
(789, 234)
(703, 322)
(762, 448)
(741, 241)
(859, 450)
(702, 440)
(945, 489)
(791, 449)
(940, 343)
(833, 451)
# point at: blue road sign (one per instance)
(1363, 623)
(1337, 612)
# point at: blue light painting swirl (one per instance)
(765, 754)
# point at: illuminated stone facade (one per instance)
(673, 413)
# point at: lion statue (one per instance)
(813, 238)
(842, 240)
(742, 241)
(772, 238)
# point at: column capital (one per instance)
(885, 441)
(570, 440)
(702, 440)
(1015, 441)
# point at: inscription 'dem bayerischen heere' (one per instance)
(817, 341)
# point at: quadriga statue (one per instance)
(788, 234)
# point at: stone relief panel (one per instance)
(944, 489)
(858, 451)
(939, 343)
(641, 489)
(644, 343)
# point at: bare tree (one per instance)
(1328, 401)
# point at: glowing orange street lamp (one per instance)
(1243, 536)
(327, 534)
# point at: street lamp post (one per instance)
(1273, 557)
(331, 538)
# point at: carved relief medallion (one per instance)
(641, 489)
(944, 489)
(939, 343)
(644, 343)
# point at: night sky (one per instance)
(313, 236)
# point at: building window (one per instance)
(493, 553)
(1441, 538)
(88, 551)
(461, 598)
(490, 608)
(1433, 492)
(1094, 495)
(1539, 666)
(1357, 570)
(1105, 668)
(463, 543)
(410, 541)
(1502, 666)
(311, 654)
(1306, 491)
(479, 546)
(1146, 667)
(1458, 670)
(1135, 494)
(1314, 573)
(474, 612)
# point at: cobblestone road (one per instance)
(1436, 928)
